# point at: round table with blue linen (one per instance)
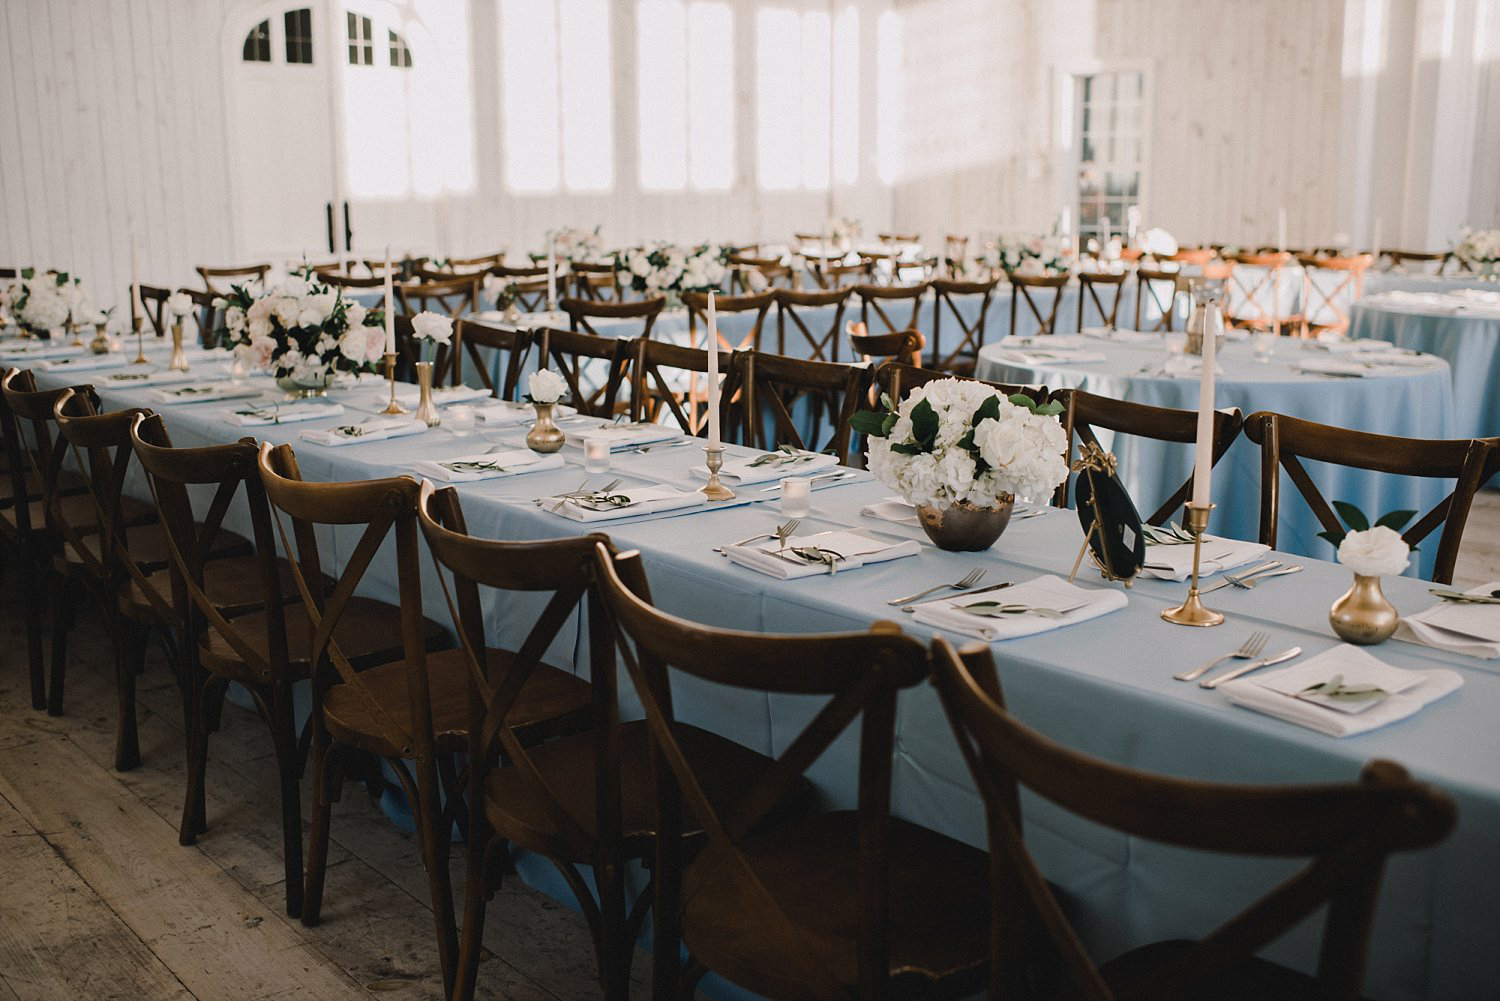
(1410, 400)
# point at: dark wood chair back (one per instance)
(860, 673)
(335, 280)
(446, 369)
(1083, 413)
(904, 346)
(1090, 284)
(508, 349)
(758, 304)
(1346, 829)
(1286, 441)
(877, 299)
(667, 375)
(208, 316)
(1155, 284)
(576, 356)
(473, 265)
(231, 276)
(1027, 289)
(582, 311)
(1460, 264)
(832, 273)
(785, 400)
(599, 282)
(961, 358)
(154, 305)
(773, 272)
(37, 451)
(896, 380)
(448, 295)
(1432, 262)
(817, 344)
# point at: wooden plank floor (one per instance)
(98, 901)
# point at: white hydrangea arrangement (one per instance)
(1027, 253)
(43, 302)
(957, 441)
(667, 269)
(1478, 245)
(301, 330)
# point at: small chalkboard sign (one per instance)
(1111, 523)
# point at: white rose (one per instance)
(179, 304)
(431, 326)
(259, 328)
(321, 304)
(354, 345)
(234, 318)
(294, 287)
(260, 308)
(1378, 552)
(355, 314)
(546, 386)
(288, 311)
(640, 265)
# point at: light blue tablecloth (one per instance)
(1416, 404)
(1103, 687)
(1470, 345)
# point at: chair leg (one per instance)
(436, 837)
(130, 661)
(194, 813)
(325, 762)
(64, 605)
(288, 762)
(480, 882)
(34, 606)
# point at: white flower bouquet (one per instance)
(574, 245)
(957, 441)
(301, 330)
(667, 269)
(1481, 246)
(1025, 253)
(43, 302)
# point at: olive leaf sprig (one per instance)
(1458, 597)
(1355, 521)
(817, 554)
(785, 455)
(1171, 534)
(1335, 689)
(1000, 610)
(473, 466)
(349, 430)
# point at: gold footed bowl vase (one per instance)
(964, 528)
(1364, 615)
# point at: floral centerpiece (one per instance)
(961, 453)
(302, 331)
(571, 244)
(670, 270)
(42, 303)
(1026, 253)
(843, 231)
(1479, 246)
(545, 388)
(1363, 614)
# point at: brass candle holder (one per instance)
(393, 407)
(715, 489)
(140, 344)
(77, 340)
(1191, 612)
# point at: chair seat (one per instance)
(550, 698)
(67, 483)
(1253, 980)
(79, 510)
(939, 909)
(369, 632)
(518, 811)
(232, 582)
(148, 546)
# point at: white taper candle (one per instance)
(713, 373)
(390, 311)
(1203, 466)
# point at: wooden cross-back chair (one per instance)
(402, 268)
(409, 708)
(508, 349)
(335, 280)
(896, 380)
(666, 375)
(756, 304)
(964, 355)
(449, 295)
(231, 276)
(876, 299)
(207, 316)
(819, 344)
(1286, 441)
(1246, 292)
(1089, 285)
(530, 286)
(1085, 413)
(578, 357)
(1153, 283)
(1021, 289)
(1347, 830)
(473, 265)
(1401, 258)
(773, 271)
(834, 273)
(1190, 256)
(154, 305)
(1460, 264)
(785, 401)
(1330, 286)
(903, 346)
(808, 907)
(954, 255)
(599, 282)
(582, 313)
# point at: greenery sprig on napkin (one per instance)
(785, 455)
(1171, 534)
(815, 554)
(1335, 690)
(1000, 609)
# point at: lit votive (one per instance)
(596, 456)
(796, 497)
(1264, 345)
(460, 420)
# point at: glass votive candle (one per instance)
(596, 456)
(460, 420)
(1263, 343)
(796, 497)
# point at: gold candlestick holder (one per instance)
(714, 488)
(100, 344)
(1191, 612)
(390, 373)
(77, 341)
(140, 344)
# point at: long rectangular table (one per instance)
(1103, 687)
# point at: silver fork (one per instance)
(1249, 650)
(782, 532)
(1246, 583)
(967, 581)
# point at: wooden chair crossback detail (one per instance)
(756, 304)
(875, 299)
(231, 276)
(1330, 286)
(508, 350)
(668, 375)
(1247, 292)
(774, 388)
(1022, 287)
(819, 345)
(530, 284)
(1153, 284)
(1089, 285)
(962, 358)
(578, 357)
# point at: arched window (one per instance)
(400, 52)
(299, 40)
(258, 44)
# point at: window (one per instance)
(1110, 119)
(794, 98)
(258, 44)
(361, 44)
(685, 90)
(556, 95)
(299, 46)
(400, 52)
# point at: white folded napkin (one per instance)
(272, 412)
(1069, 356)
(1175, 562)
(637, 501)
(1276, 693)
(506, 413)
(773, 466)
(1076, 604)
(79, 363)
(619, 436)
(1187, 367)
(853, 550)
(488, 465)
(1122, 336)
(1457, 627)
(1049, 342)
(1397, 357)
(135, 378)
(891, 509)
(204, 392)
(374, 429)
(408, 394)
(1337, 344)
(29, 351)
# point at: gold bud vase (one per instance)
(179, 362)
(427, 411)
(100, 344)
(1363, 615)
(545, 436)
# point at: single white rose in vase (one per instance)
(545, 386)
(179, 304)
(1363, 615)
(432, 329)
(1375, 552)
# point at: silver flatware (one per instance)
(1251, 648)
(1243, 576)
(1245, 583)
(813, 480)
(662, 444)
(782, 532)
(1284, 655)
(965, 582)
(983, 590)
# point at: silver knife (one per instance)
(983, 590)
(814, 480)
(1254, 665)
(1248, 573)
